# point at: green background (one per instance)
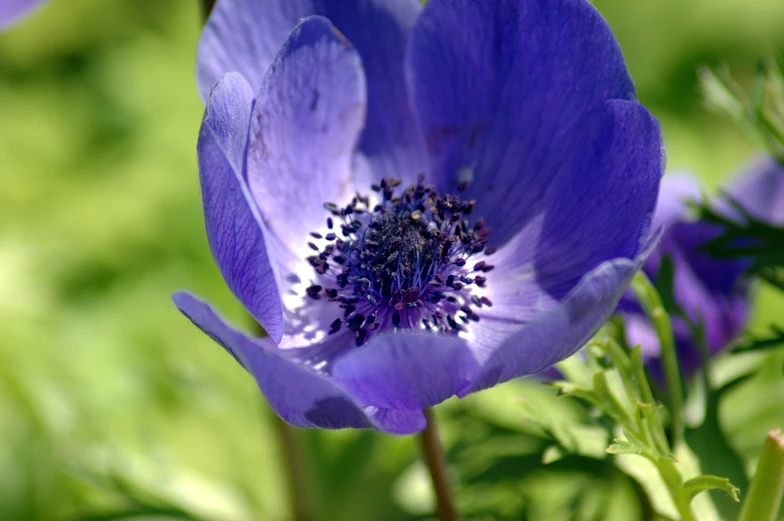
(112, 404)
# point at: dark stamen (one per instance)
(402, 260)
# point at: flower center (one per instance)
(402, 263)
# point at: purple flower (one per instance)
(351, 175)
(712, 292)
(13, 11)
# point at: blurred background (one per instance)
(113, 406)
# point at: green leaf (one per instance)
(702, 483)
(571, 437)
(751, 342)
(650, 413)
(608, 400)
(652, 304)
(552, 454)
(759, 115)
(712, 448)
(624, 447)
(746, 237)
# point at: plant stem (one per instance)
(674, 483)
(293, 461)
(290, 444)
(767, 488)
(436, 464)
(652, 304)
(206, 8)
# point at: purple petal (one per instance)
(760, 190)
(406, 370)
(380, 30)
(675, 191)
(723, 316)
(297, 393)
(234, 229)
(554, 334)
(304, 128)
(501, 89)
(14, 11)
(599, 203)
(395, 421)
(245, 36)
(708, 290)
(639, 331)
(684, 241)
(602, 198)
(712, 292)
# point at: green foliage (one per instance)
(620, 391)
(760, 113)
(747, 237)
(650, 301)
(754, 342)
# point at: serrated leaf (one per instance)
(713, 450)
(702, 483)
(656, 428)
(585, 395)
(609, 402)
(646, 474)
(624, 447)
(571, 438)
(633, 438)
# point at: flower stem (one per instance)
(293, 461)
(206, 8)
(767, 488)
(436, 464)
(652, 304)
(674, 483)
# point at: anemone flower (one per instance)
(352, 173)
(713, 293)
(13, 11)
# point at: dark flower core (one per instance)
(401, 263)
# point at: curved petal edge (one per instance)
(560, 332)
(297, 393)
(233, 224)
(406, 370)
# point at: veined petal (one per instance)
(598, 208)
(394, 421)
(499, 87)
(380, 29)
(234, 228)
(406, 370)
(553, 334)
(296, 392)
(601, 200)
(304, 128)
(245, 36)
